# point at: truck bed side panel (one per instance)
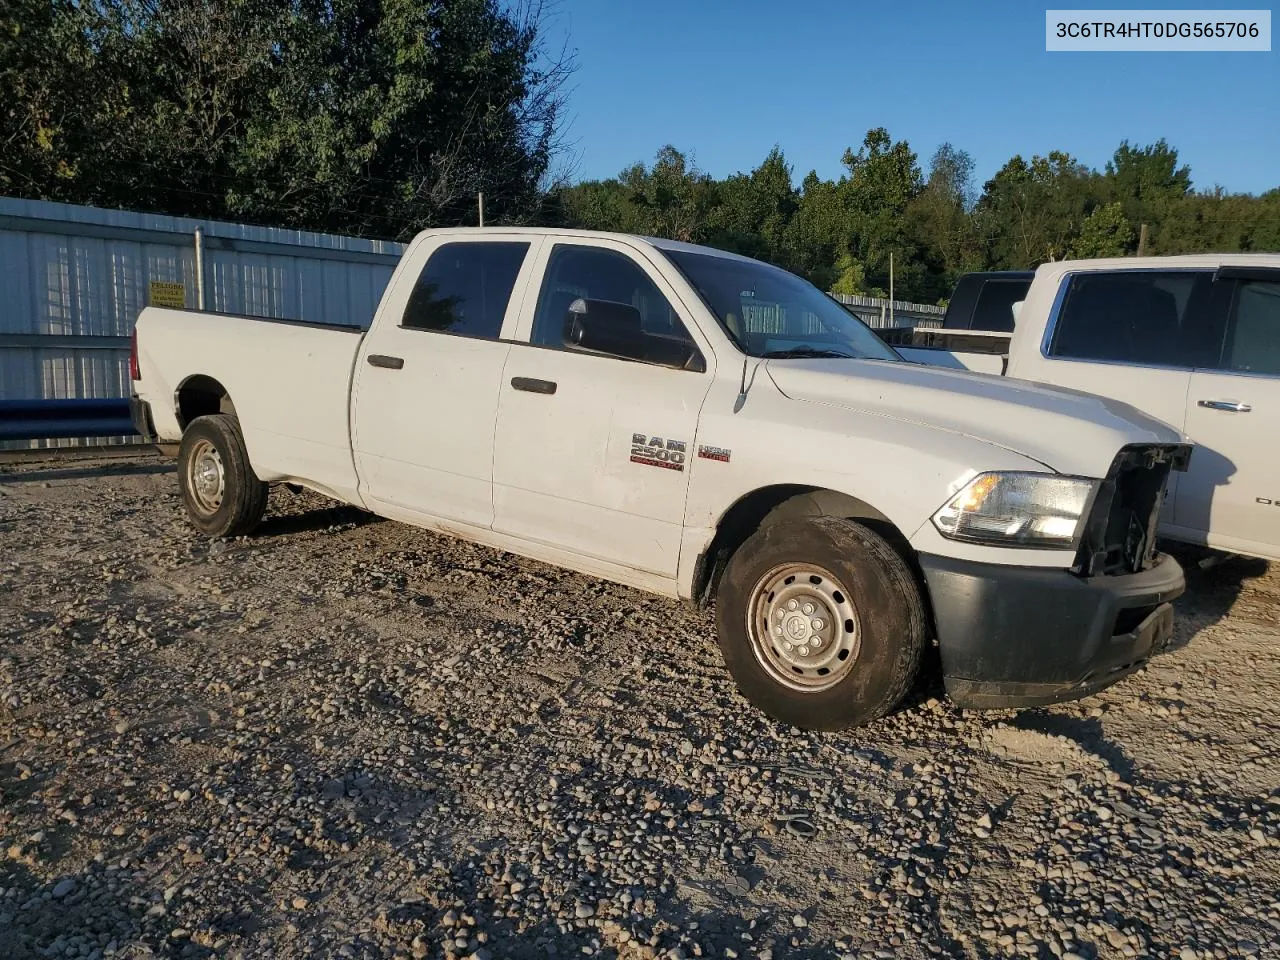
(289, 382)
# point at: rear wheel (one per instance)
(821, 622)
(222, 494)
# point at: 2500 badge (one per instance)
(657, 452)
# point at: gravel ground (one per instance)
(346, 737)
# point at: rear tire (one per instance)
(222, 494)
(821, 623)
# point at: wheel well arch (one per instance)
(200, 395)
(780, 502)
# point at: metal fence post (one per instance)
(199, 268)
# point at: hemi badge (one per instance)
(713, 453)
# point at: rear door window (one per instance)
(1152, 318)
(1253, 330)
(464, 289)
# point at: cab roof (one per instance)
(660, 243)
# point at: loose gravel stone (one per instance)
(346, 737)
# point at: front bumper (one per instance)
(1022, 636)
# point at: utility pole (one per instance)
(480, 197)
(891, 288)
(1142, 240)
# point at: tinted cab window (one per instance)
(994, 310)
(984, 302)
(1157, 318)
(1253, 331)
(464, 289)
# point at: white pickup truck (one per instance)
(1191, 340)
(700, 425)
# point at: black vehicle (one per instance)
(981, 302)
(984, 301)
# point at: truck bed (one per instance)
(979, 351)
(290, 383)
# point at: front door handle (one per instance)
(533, 385)
(1229, 405)
(381, 360)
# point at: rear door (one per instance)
(1231, 494)
(1134, 336)
(592, 450)
(426, 384)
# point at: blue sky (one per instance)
(725, 81)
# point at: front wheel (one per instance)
(821, 623)
(222, 494)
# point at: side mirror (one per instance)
(616, 329)
(603, 326)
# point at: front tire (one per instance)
(222, 494)
(821, 623)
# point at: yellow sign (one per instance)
(164, 294)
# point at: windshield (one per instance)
(771, 313)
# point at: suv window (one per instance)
(994, 310)
(1253, 333)
(984, 301)
(1159, 318)
(464, 289)
(592, 273)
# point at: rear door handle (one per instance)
(533, 385)
(1229, 405)
(380, 360)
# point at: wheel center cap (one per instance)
(797, 627)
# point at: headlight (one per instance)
(1018, 510)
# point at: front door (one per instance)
(1231, 494)
(592, 450)
(425, 388)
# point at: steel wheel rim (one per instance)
(206, 477)
(804, 630)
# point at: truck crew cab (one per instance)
(703, 426)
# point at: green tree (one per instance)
(753, 210)
(850, 278)
(1106, 232)
(939, 219)
(672, 198)
(1031, 212)
(361, 116)
(600, 205)
(1147, 181)
(820, 234)
(884, 177)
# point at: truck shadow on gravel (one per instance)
(325, 519)
(94, 472)
(1214, 588)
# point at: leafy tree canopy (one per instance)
(362, 116)
(383, 117)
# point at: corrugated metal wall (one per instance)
(73, 279)
(881, 314)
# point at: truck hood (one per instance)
(1068, 431)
